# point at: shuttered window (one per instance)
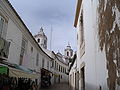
(23, 50)
(3, 27)
(37, 59)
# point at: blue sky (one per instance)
(44, 13)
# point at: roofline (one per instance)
(63, 63)
(25, 26)
(40, 34)
(79, 2)
(58, 58)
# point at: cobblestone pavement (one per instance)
(61, 86)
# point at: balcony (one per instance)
(4, 49)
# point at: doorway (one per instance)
(82, 78)
(77, 80)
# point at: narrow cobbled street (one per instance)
(61, 86)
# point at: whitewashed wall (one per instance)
(55, 78)
(72, 76)
(94, 59)
(64, 76)
(14, 35)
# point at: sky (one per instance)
(58, 14)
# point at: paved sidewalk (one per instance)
(61, 86)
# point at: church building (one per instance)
(41, 38)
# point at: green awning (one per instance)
(3, 70)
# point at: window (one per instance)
(67, 53)
(47, 64)
(37, 59)
(3, 27)
(65, 70)
(43, 61)
(59, 67)
(45, 42)
(23, 50)
(55, 64)
(38, 40)
(52, 63)
(4, 50)
(31, 49)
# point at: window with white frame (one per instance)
(37, 59)
(52, 63)
(3, 27)
(67, 53)
(23, 50)
(65, 70)
(59, 67)
(55, 64)
(31, 49)
(48, 65)
(43, 61)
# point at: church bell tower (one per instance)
(68, 52)
(41, 38)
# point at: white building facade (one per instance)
(59, 65)
(60, 70)
(23, 49)
(98, 30)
